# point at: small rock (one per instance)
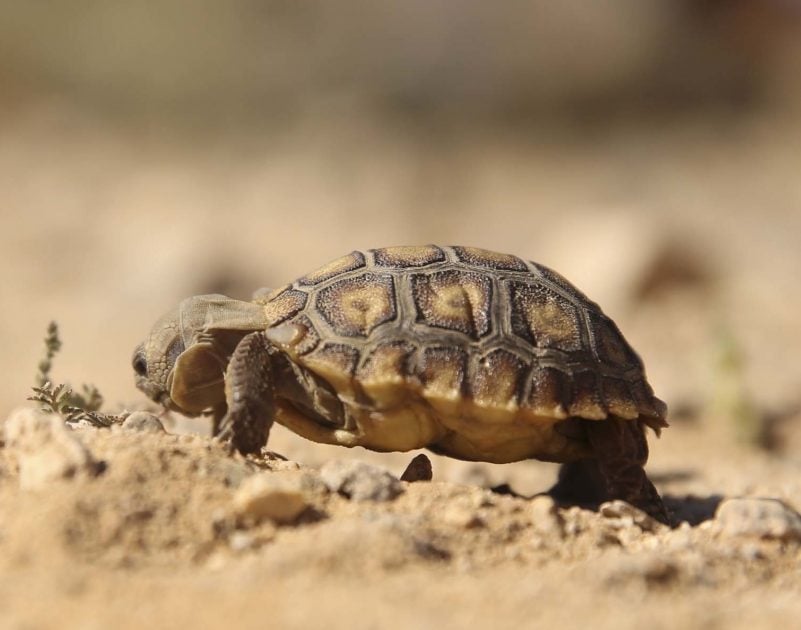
(360, 481)
(279, 463)
(462, 516)
(143, 421)
(241, 541)
(46, 450)
(621, 514)
(759, 518)
(545, 517)
(419, 469)
(276, 496)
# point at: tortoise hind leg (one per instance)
(249, 394)
(621, 450)
(580, 482)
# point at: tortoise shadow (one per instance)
(693, 509)
(689, 508)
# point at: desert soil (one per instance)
(687, 234)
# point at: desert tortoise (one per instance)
(474, 354)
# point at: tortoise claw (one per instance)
(225, 437)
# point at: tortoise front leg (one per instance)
(621, 450)
(249, 395)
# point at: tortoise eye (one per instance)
(140, 365)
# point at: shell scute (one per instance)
(565, 286)
(442, 371)
(454, 300)
(587, 402)
(383, 372)
(610, 346)
(355, 306)
(308, 339)
(403, 256)
(489, 259)
(544, 318)
(284, 305)
(344, 264)
(497, 380)
(550, 392)
(646, 403)
(618, 398)
(335, 362)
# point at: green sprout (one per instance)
(731, 399)
(52, 346)
(60, 399)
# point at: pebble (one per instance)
(758, 518)
(46, 449)
(461, 516)
(545, 517)
(622, 515)
(241, 541)
(360, 481)
(143, 421)
(276, 496)
(419, 469)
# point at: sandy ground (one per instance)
(686, 233)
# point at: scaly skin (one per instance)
(622, 450)
(616, 471)
(249, 394)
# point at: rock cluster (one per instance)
(46, 449)
(757, 518)
(360, 481)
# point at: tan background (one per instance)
(649, 151)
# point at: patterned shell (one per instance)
(471, 331)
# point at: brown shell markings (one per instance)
(353, 307)
(466, 329)
(454, 300)
(407, 256)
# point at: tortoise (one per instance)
(473, 354)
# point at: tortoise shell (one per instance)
(504, 351)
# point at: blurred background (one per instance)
(649, 150)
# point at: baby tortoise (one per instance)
(474, 354)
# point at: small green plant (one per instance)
(731, 399)
(60, 399)
(52, 346)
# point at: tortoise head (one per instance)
(181, 364)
